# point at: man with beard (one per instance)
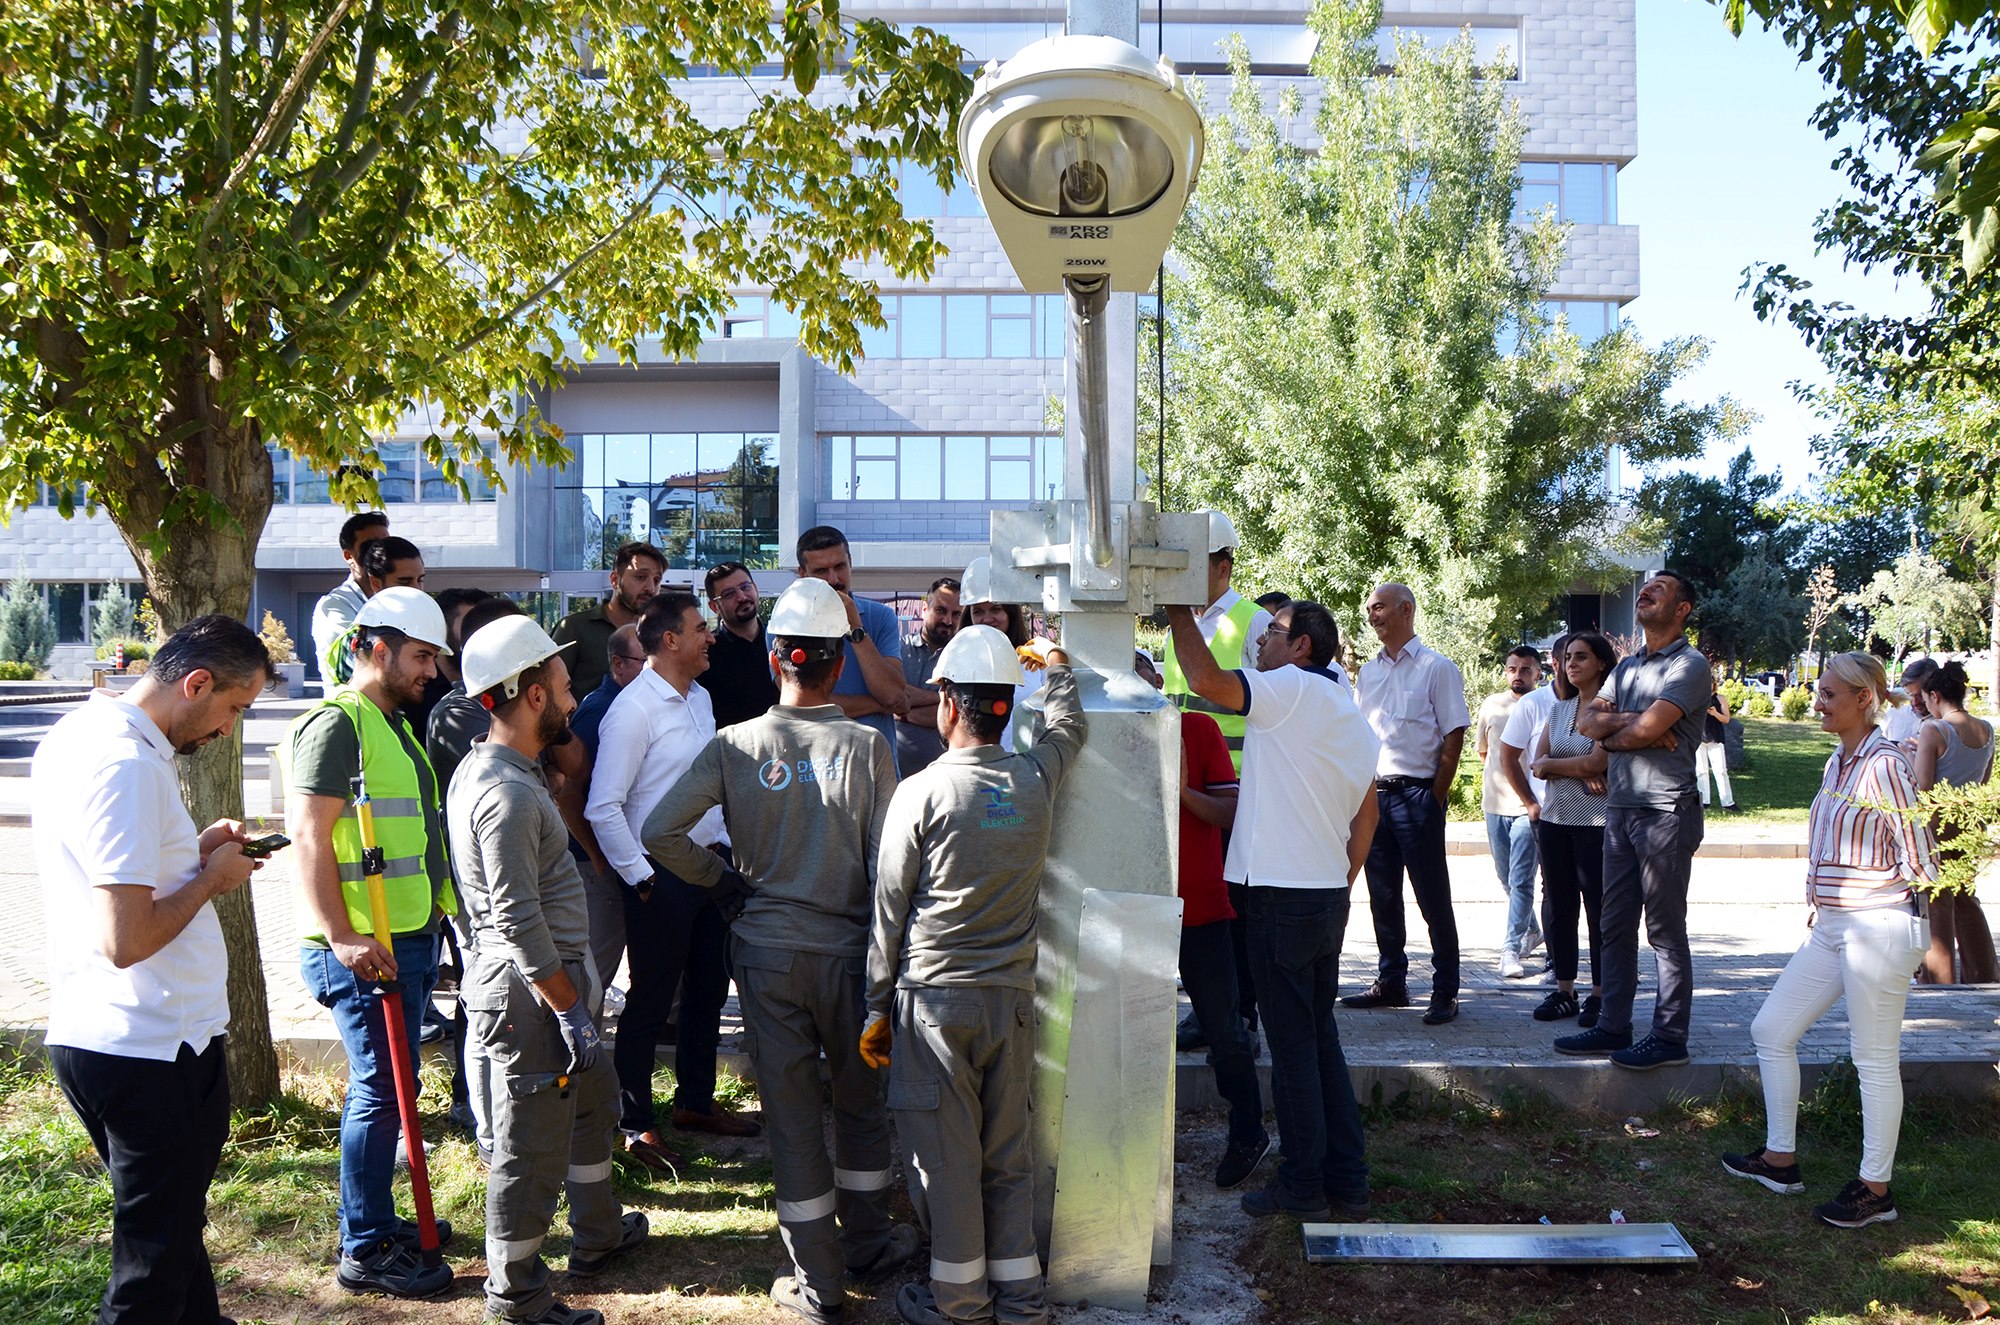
(533, 990)
(738, 678)
(636, 571)
(917, 738)
(673, 933)
(397, 637)
(138, 997)
(871, 689)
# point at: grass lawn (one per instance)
(1784, 761)
(1763, 1258)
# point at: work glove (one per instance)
(731, 893)
(875, 1038)
(581, 1037)
(1034, 655)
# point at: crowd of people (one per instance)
(843, 821)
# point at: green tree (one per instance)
(291, 221)
(1756, 618)
(1917, 602)
(114, 616)
(1714, 525)
(27, 631)
(1337, 380)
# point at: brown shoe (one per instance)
(646, 1148)
(717, 1120)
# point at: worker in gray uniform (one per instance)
(951, 967)
(803, 790)
(532, 992)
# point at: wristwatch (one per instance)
(858, 634)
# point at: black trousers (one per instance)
(1409, 839)
(159, 1127)
(675, 938)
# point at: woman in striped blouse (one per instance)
(1865, 852)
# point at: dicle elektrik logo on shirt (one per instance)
(777, 774)
(1000, 811)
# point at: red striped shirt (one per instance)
(1865, 848)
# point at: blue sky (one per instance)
(1729, 173)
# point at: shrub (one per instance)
(114, 616)
(135, 648)
(1795, 703)
(17, 671)
(277, 640)
(1760, 705)
(149, 622)
(27, 631)
(1737, 694)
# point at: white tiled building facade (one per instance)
(731, 456)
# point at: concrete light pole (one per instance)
(1084, 153)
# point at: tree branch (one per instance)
(350, 120)
(283, 113)
(225, 89)
(142, 72)
(596, 246)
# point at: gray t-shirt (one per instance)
(917, 746)
(1656, 778)
(519, 888)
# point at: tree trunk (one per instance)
(1993, 639)
(193, 567)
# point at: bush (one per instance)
(27, 631)
(1795, 703)
(277, 640)
(1737, 694)
(1760, 705)
(114, 616)
(135, 649)
(17, 671)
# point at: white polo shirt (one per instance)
(650, 734)
(1524, 731)
(106, 812)
(1308, 761)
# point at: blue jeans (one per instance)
(1294, 941)
(1515, 857)
(369, 1124)
(1208, 972)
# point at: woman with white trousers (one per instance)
(1866, 855)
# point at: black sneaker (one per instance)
(388, 1268)
(1378, 995)
(631, 1232)
(1441, 1011)
(1587, 1018)
(1264, 1202)
(1857, 1207)
(1349, 1209)
(1651, 1052)
(1240, 1161)
(1783, 1179)
(1593, 1043)
(1559, 1006)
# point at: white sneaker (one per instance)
(1510, 965)
(1530, 943)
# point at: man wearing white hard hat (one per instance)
(393, 646)
(951, 977)
(803, 790)
(1231, 625)
(531, 988)
(981, 609)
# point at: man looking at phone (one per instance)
(137, 969)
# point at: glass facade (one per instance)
(942, 467)
(699, 497)
(406, 477)
(929, 326)
(1582, 192)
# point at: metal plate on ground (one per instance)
(1498, 1244)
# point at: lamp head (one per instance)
(1084, 153)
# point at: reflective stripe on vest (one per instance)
(1231, 633)
(395, 795)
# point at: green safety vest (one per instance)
(396, 798)
(1227, 647)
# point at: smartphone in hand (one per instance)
(259, 848)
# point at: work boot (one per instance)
(903, 1244)
(917, 1305)
(631, 1232)
(387, 1268)
(559, 1313)
(789, 1293)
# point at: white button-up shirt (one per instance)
(651, 733)
(333, 613)
(107, 813)
(1412, 702)
(1210, 621)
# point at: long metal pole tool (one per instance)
(400, 1066)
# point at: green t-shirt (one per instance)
(325, 753)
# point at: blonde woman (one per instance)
(1865, 854)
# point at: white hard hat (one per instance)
(809, 609)
(411, 611)
(977, 584)
(979, 655)
(1222, 533)
(500, 651)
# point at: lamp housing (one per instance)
(1084, 153)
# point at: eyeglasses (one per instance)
(737, 591)
(1831, 693)
(1275, 629)
(628, 657)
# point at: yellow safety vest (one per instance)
(1227, 647)
(396, 796)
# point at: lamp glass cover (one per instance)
(1035, 154)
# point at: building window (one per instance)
(1496, 45)
(932, 467)
(701, 498)
(1582, 192)
(943, 326)
(1588, 319)
(407, 476)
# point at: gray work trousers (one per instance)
(1648, 857)
(831, 1216)
(958, 1085)
(546, 1140)
(604, 901)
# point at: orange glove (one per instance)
(1034, 655)
(875, 1037)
